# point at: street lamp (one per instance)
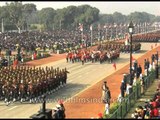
(130, 30)
(44, 104)
(157, 68)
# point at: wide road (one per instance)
(80, 78)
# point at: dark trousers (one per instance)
(122, 93)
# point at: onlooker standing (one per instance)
(62, 109)
(104, 88)
(107, 100)
(55, 114)
(153, 58)
(122, 89)
(139, 71)
(142, 84)
(128, 89)
(133, 76)
(60, 112)
(135, 65)
(147, 63)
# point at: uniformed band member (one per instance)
(24, 83)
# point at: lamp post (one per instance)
(157, 72)
(44, 104)
(130, 30)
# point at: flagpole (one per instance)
(60, 24)
(91, 37)
(116, 31)
(82, 35)
(121, 30)
(106, 33)
(2, 26)
(111, 33)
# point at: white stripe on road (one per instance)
(13, 108)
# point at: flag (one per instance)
(114, 65)
(133, 59)
(80, 27)
(91, 27)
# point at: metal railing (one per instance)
(130, 100)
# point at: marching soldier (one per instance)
(1, 85)
(30, 82)
(7, 92)
(15, 90)
(21, 91)
(56, 80)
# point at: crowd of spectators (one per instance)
(58, 39)
(151, 109)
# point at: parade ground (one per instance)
(82, 94)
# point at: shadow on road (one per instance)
(66, 92)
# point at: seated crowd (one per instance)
(151, 109)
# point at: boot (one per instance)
(5, 100)
(14, 99)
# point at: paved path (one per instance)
(80, 78)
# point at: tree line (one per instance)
(16, 15)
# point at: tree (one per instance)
(106, 18)
(140, 17)
(46, 16)
(119, 18)
(69, 16)
(15, 10)
(28, 9)
(87, 15)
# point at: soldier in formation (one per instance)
(24, 83)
